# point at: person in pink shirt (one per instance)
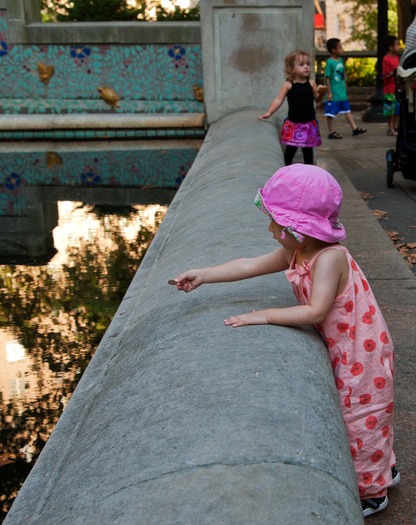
(303, 203)
(389, 66)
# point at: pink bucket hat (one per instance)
(306, 199)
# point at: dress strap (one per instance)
(338, 247)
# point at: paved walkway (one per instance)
(364, 159)
(361, 160)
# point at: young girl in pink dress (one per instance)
(303, 203)
(300, 129)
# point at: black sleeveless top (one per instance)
(301, 102)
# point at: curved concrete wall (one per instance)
(181, 420)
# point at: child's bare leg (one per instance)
(355, 129)
(331, 133)
(350, 120)
(330, 124)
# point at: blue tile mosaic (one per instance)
(146, 168)
(62, 78)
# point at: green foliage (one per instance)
(100, 11)
(191, 13)
(361, 71)
(112, 10)
(364, 13)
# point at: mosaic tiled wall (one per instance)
(149, 78)
(64, 78)
(148, 168)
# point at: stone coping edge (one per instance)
(87, 121)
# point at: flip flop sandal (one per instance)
(334, 135)
(358, 131)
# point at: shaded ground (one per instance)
(363, 158)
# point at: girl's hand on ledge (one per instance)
(254, 317)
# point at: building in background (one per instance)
(332, 19)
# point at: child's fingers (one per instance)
(234, 322)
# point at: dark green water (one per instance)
(52, 318)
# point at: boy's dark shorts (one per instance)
(334, 107)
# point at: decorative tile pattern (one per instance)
(149, 78)
(64, 79)
(149, 168)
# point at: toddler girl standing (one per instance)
(300, 129)
(303, 204)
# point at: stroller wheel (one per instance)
(390, 167)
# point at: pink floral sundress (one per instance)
(362, 355)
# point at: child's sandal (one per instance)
(334, 135)
(358, 131)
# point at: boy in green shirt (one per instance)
(336, 100)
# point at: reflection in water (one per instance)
(53, 317)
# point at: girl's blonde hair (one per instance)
(290, 63)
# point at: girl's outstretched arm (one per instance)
(330, 275)
(278, 101)
(235, 270)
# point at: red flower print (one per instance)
(330, 342)
(367, 319)
(335, 362)
(377, 456)
(369, 345)
(386, 431)
(347, 401)
(342, 327)
(383, 338)
(381, 481)
(390, 408)
(361, 490)
(354, 265)
(344, 359)
(339, 383)
(372, 309)
(287, 131)
(365, 399)
(352, 333)
(365, 285)
(371, 422)
(359, 443)
(353, 452)
(356, 369)
(355, 289)
(367, 478)
(379, 382)
(349, 306)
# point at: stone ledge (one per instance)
(103, 121)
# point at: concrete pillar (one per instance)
(181, 420)
(244, 43)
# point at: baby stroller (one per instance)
(404, 157)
